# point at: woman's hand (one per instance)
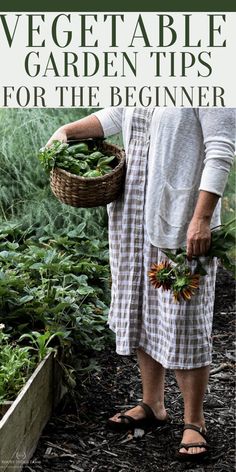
(198, 237)
(59, 135)
(199, 232)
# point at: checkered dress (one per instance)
(178, 335)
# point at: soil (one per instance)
(76, 438)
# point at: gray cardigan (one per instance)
(191, 149)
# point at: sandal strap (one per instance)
(199, 429)
(148, 411)
(123, 419)
(188, 445)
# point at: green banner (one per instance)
(122, 5)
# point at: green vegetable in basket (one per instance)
(73, 166)
(105, 169)
(96, 155)
(103, 164)
(80, 156)
(75, 159)
(78, 148)
(83, 166)
(93, 173)
(66, 161)
(61, 148)
(105, 160)
(48, 156)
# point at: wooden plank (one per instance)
(22, 425)
(59, 388)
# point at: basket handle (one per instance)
(76, 140)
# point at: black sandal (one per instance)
(127, 423)
(198, 457)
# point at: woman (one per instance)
(177, 166)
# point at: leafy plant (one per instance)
(40, 342)
(16, 365)
(59, 284)
(222, 242)
(77, 159)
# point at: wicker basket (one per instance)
(94, 191)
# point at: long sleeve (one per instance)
(110, 119)
(219, 129)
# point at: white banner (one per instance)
(117, 59)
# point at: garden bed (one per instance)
(76, 438)
(25, 418)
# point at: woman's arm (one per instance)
(88, 127)
(102, 123)
(218, 131)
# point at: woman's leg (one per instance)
(193, 384)
(153, 377)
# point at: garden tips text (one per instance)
(117, 59)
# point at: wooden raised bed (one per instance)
(24, 420)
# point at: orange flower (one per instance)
(160, 275)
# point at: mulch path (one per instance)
(76, 438)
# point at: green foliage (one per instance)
(77, 159)
(54, 272)
(228, 202)
(223, 241)
(40, 342)
(16, 365)
(58, 284)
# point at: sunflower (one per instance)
(185, 285)
(160, 275)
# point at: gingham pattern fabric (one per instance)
(178, 335)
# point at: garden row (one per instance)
(54, 296)
(58, 285)
(54, 284)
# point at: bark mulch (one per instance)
(76, 438)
